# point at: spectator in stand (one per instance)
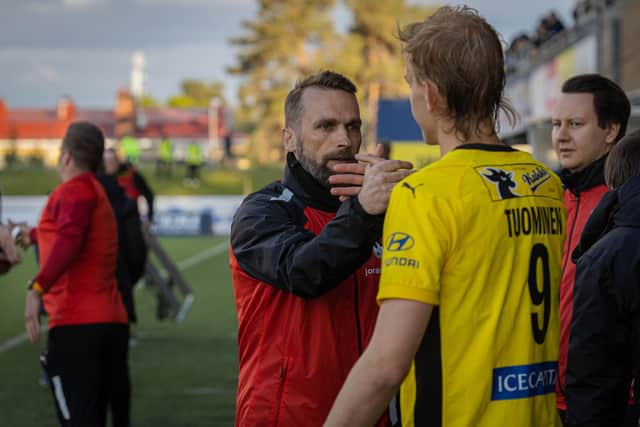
(87, 349)
(542, 34)
(586, 9)
(604, 346)
(554, 24)
(590, 117)
(581, 10)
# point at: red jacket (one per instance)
(126, 179)
(583, 191)
(305, 273)
(78, 242)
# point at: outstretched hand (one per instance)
(7, 245)
(22, 238)
(379, 180)
(350, 176)
(371, 179)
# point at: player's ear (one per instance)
(289, 139)
(431, 94)
(66, 157)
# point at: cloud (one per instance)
(77, 4)
(41, 8)
(38, 76)
(47, 73)
(205, 3)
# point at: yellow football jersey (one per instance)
(479, 235)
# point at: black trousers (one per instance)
(193, 171)
(87, 366)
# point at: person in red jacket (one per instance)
(77, 236)
(305, 266)
(590, 117)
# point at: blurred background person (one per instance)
(87, 348)
(164, 158)
(193, 161)
(132, 249)
(130, 180)
(604, 345)
(130, 149)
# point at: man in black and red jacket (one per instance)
(590, 117)
(305, 266)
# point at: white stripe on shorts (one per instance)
(59, 393)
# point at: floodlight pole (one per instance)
(214, 108)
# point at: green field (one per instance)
(33, 180)
(183, 375)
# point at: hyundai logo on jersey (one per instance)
(399, 242)
(516, 382)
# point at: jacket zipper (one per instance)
(357, 313)
(573, 226)
(564, 266)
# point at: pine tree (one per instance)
(374, 33)
(284, 43)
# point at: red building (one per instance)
(28, 131)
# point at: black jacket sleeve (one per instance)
(599, 366)
(270, 243)
(146, 192)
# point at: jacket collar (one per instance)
(589, 177)
(617, 208)
(305, 186)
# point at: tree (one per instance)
(196, 94)
(290, 39)
(374, 36)
(285, 42)
(148, 101)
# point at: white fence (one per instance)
(174, 215)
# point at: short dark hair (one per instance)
(323, 80)
(461, 53)
(609, 100)
(623, 161)
(85, 142)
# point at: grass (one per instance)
(183, 375)
(214, 180)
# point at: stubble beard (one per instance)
(320, 172)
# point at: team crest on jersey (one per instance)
(518, 180)
(503, 180)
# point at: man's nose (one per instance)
(342, 135)
(562, 133)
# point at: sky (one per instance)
(83, 48)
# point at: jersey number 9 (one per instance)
(540, 297)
